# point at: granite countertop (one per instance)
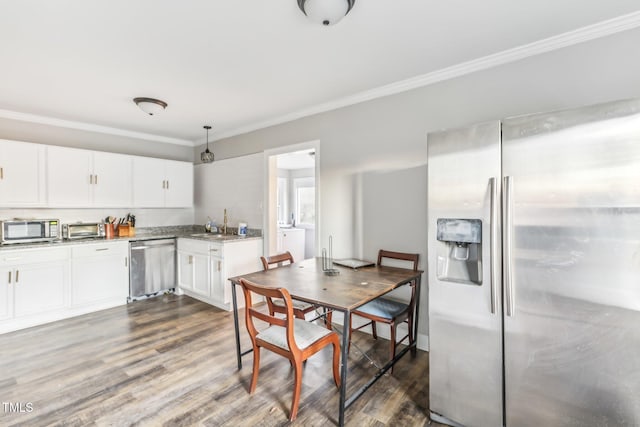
(151, 233)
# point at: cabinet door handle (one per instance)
(9, 276)
(164, 184)
(190, 259)
(167, 184)
(219, 267)
(213, 250)
(17, 275)
(1, 173)
(126, 261)
(90, 179)
(96, 180)
(102, 249)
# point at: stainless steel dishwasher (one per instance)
(153, 267)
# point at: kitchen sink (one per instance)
(208, 235)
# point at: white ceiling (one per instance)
(241, 65)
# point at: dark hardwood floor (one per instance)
(171, 361)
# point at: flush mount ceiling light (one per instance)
(326, 12)
(207, 156)
(150, 106)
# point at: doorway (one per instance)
(292, 200)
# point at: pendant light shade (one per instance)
(325, 12)
(150, 106)
(207, 156)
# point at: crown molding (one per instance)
(590, 32)
(33, 118)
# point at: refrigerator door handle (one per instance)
(494, 243)
(507, 244)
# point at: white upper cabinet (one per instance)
(21, 174)
(179, 188)
(112, 180)
(37, 175)
(84, 178)
(162, 183)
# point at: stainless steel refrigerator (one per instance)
(534, 270)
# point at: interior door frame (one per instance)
(269, 234)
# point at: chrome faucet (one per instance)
(224, 227)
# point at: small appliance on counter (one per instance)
(29, 230)
(83, 230)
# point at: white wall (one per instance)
(388, 135)
(234, 184)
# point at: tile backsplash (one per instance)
(144, 217)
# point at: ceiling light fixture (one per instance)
(150, 106)
(207, 156)
(326, 12)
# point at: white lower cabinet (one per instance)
(193, 266)
(40, 285)
(35, 286)
(100, 273)
(6, 293)
(292, 240)
(204, 267)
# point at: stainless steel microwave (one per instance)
(29, 230)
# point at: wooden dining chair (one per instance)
(293, 338)
(388, 310)
(276, 305)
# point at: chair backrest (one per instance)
(252, 313)
(399, 256)
(279, 260)
(410, 258)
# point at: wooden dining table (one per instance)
(343, 292)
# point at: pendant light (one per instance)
(207, 156)
(325, 12)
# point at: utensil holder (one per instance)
(123, 230)
(109, 231)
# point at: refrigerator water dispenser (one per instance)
(459, 250)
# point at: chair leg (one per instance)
(336, 362)
(327, 320)
(297, 386)
(256, 368)
(373, 330)
(393, 344)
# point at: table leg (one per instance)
(343, 360)
(236, 325)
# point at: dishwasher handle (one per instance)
(164, 245)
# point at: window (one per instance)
(305, 194)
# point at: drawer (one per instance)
(201, 246)
(99, 249)
(193, 245)
(216, 249)
(28, 256)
